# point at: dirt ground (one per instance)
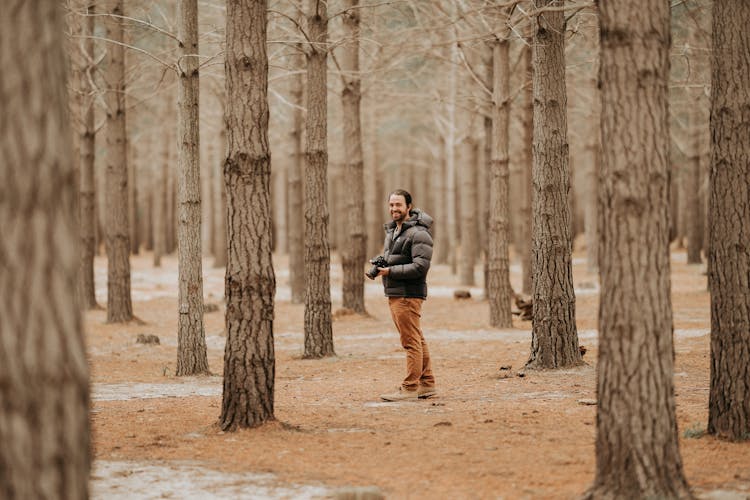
(483, 436)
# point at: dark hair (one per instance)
(404, 193)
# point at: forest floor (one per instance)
(486, 434)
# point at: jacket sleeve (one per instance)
(421, 253)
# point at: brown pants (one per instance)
(406, 313)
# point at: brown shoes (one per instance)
(426, 392)
(405, 395)
(400, 395)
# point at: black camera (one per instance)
(377, 262)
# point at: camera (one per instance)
(377, 262)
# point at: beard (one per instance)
(398, 216)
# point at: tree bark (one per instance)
(554, 339)
(44, 400)
(318, 327)
(498, 272)
(119, 304)
(220, 216)
(527, 186)
(250, 284)
(729, 254)
(693, 198)
(469, 215)
(637, 450)
(87, 145)
(353, 253)
(296, 199)
(192, 358)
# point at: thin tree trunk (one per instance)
(318, 327)
(469, 217)
(119, 304)
(353, 253)
(637, 451)
(44, 417)
(87, 144)
(220, 216)
(729, 253)
(693, 200)
(527, 186)
(554, 339)
(192, 357)
(280, 215)
(498, 272)
(161, 168)
(249, 362)
(296, 200)
(133, 197)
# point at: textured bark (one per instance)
(450, 225)
(554, 339)
(498, 272)
(318, 328)
(119, 304)
(220, 215)
(469, 212)
(161, 173)
(250, 285)
(296, 200)
(353, 253)
(280, 183)
(192, 358)
(729, 253)
(527, 186)
(44, 395)
(637, 451)
(87, 148)
(591, 220)
(692, 192)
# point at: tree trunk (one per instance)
(192, 358)
(119, 305)
(353, 253)
(318, 328)
(296, 201)
(280, 182)
(729, 254)
(498, 272)
(526, 177)
(637, 452)
(161, 173)
(87, 144)
(469, 216)
(44, 420)
(591, 224)
(554, 339)
(220, 216)
(693, 198)
(249, 363)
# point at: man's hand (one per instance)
(383, 271)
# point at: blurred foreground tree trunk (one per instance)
(637, 449)
(44, 391)
(729, 252)
(250, 284)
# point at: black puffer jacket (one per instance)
(408, 256)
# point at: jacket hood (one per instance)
(417, 217)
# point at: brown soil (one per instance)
(484, 436)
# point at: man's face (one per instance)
(398, 207)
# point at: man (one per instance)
(408, 250)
